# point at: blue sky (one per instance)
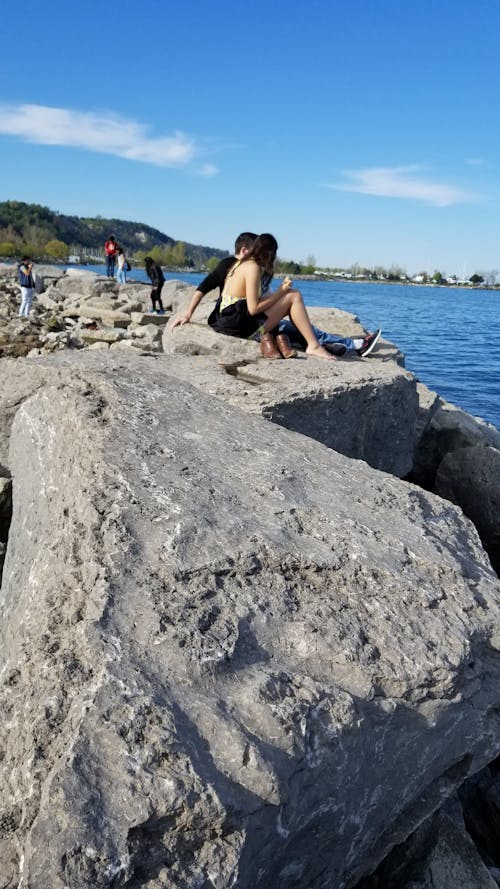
(362, 131)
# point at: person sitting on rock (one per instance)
(334, 343)
(155, 273)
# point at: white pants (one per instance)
(26, 300)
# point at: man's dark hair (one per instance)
(246, 239)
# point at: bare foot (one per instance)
(317, 351)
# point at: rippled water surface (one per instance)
(448, 335)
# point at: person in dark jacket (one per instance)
(27, 284)
(157, 278)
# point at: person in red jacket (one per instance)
(111, 249)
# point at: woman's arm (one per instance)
(268, 301)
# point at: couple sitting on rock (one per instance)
(247, 309)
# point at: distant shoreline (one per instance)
(325, 279)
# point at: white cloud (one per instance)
(103, 132)
(207, 170)
(402, 182)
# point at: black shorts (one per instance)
(236, 320)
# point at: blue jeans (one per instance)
(26, 300)
(110, 266)
(121, 276)
(324, 338)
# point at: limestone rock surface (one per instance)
(440, 854)
(363, 408)
(230, 656)
(449, 429)
(470, 477)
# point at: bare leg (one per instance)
(292, 304)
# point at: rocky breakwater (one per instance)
(231, 656)
(365, 409)
(78, 309)
(369, 409)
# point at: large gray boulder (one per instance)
(363, 408)
(440, 855)
(45, 275)
(470, 477)
(230, 656)
(448, 429)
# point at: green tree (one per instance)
(57, 250)
(7, 248)
(212, 263)
(476, 279)
(158, 254)
(179, 254)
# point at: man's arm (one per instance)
(213, 280)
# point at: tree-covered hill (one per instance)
(30, 227)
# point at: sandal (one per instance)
(283, 344)
(268, 346)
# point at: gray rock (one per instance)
(102, 334)
(83, 283)
(47, 302)
(480, 798)
(449, 430)
(5, 497)
(363, 409)
(230, 656)
(141, 318)
(45, 275)
(99, 345)
(438, 856)
(110, 318)
(470, 477)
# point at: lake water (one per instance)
(448, 335)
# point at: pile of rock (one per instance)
(232, 656)
(79, 310)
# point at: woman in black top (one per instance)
(155, 273)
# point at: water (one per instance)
(448, 334)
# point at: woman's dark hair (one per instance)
(264, 252)
(148, 260)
